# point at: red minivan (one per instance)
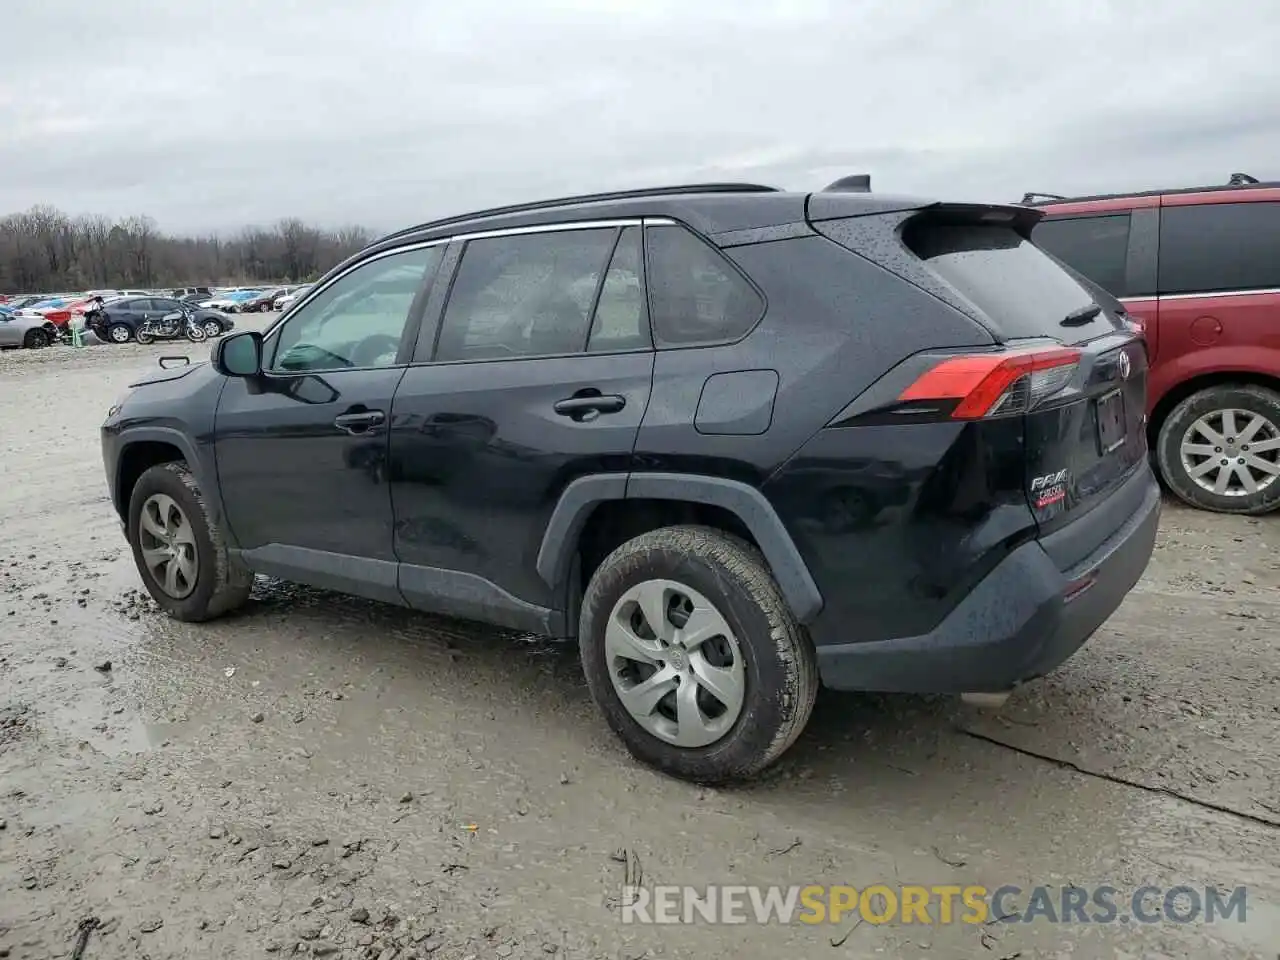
(1199, 268)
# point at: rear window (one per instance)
(1022, 292)
(1096, 246)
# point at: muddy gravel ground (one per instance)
(332, 777)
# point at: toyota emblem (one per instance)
(1126, 366)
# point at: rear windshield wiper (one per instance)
(1078, 318)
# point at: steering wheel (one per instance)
(368, 351)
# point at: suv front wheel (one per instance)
(1219, 449)
(180, 554)
(692, 654)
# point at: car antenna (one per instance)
(855, 183)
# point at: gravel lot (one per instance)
(360, 780)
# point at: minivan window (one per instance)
(1096, 246)
(524, 295)
(1217, 247)
(1022, 292)
(696, 297)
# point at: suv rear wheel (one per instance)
(1220, 449)
(692, 655)
(179, 552)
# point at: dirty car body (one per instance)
(928, 433)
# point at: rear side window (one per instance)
(1218, 247)
(621, 321)
(1022, 292)
(525, 295)
(696, 297)
(1096, 246)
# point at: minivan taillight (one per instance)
(994, 384)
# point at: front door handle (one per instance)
(361, 422)
(586, 408)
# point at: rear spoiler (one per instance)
(841, 206)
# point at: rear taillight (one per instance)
(994, 384)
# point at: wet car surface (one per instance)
(342, 774)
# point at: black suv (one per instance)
(735, 441)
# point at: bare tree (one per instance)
(43, 249)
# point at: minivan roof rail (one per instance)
(677, 190)
(1037, 197)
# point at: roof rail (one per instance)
(1036, 197)
(855, 183)
(681, 189)
(1240, 179)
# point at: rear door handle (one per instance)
(588, 408)
(359, 422)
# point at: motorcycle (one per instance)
(170, 327)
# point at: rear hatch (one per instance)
(1067, 360)
(1085, 400)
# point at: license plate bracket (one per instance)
(1110, 415)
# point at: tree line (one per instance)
(44, 251)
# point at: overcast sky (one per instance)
(210, 115)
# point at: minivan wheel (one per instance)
(180, 555)
(692, 655)
(1219, 449)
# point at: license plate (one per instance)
(1111, 421)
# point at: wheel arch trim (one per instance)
(749, 505)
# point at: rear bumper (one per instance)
(1023, 620)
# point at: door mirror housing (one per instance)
(239, 355)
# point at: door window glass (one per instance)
(359, 319)
(621, 320)
(524, 295)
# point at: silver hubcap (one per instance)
(211, 328)
(168, 545)
(1233, 453)
(675, 663)
(119, 334)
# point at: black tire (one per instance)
(1254, 399)
(779, 661)
(113, 333)
(221, 585)
(36, 339)
(212, 328)
(143, 337)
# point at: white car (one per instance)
(289, 299)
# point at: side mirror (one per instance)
(239, 355)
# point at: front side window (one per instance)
(359, 319)
(696, 297)
(524, 295)
(1216, 247)
(1098, 247)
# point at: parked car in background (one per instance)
(1199, 267)
(229, 301)
(192, 293)
(24, 330)
(118, 320)
(59, 310)
(286, 300)
(262, 301)
(587, 430)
